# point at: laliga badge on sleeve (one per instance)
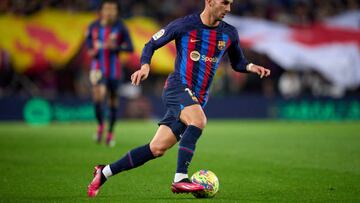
(159, 34)
(95, 76)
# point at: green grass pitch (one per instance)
(256, 161)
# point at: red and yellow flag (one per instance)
(51, 38)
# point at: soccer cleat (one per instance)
(96, 183)
(186, 186)
(99, 133)
(110, 140)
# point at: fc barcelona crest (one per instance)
(221, 45)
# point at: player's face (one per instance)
(109, 12)
(220, 8)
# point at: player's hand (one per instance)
(261, 71)
(95, 76)
(140, 75)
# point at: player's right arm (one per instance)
(158, 40)
(92, 51)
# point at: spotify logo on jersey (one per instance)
(195, 56)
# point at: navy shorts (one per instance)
(176, 98)
(112, 85)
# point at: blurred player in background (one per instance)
(201, 42)
(106, 38)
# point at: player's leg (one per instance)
(113, 103)
(99, 92)
(183, 108)
(162, 141)
(194, 118)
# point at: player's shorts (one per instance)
(176, 98)
(112, 85)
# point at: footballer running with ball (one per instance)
(201, 39)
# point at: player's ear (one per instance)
(209, 2)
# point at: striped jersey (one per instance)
(199, 51)
(107, 60)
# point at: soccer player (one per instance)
(201, 41)
(106, 37)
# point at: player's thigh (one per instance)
(99, 92)
(163, 140)
(193, 115)
(112, 89)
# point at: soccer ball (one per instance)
(207, 179)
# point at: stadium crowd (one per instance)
(287, 11)
(293, 12)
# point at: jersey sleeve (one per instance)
(237, 58)
(160, 39)
(125, 43)
(88, 37)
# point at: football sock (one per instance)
(180, 176)
(187, 148)
(99, 113)
(132, 159)
(112, 118)
(100, 129)
(107, 171)
(103, 179)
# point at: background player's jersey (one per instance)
(107, 60)
(199, 51)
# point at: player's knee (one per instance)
(113, 103)
(200, 122)
(157, 150)
(97, 101)
(98, 98)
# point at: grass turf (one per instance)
(254, 160)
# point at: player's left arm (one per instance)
(126, 42)
(239, 62)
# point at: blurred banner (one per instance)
(50, 38)
(332, 48)
(47, 39)
(43, 111)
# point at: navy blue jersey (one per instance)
(199, 51)
(107, 60)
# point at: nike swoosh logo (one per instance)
(194, 40)
(186, 187)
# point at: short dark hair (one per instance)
(110, 2)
